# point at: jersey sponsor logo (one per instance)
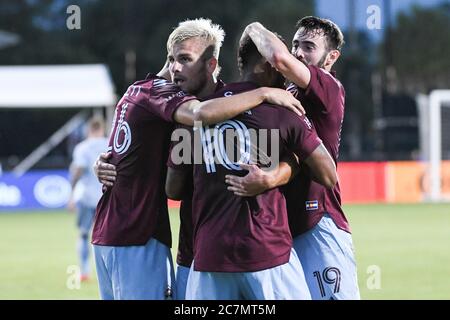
(52, 191)
(312, 205)
(122, 136)
(215, 144)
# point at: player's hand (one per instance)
(285, 99)
(255, 182)
(106, 173)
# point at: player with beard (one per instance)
(320, 229)
(242, 246)
(131, 234)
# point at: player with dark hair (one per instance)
(242, 246)
(321, 232)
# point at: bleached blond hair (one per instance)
(213, 34)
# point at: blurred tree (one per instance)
(143, 27)
(41, 24)
(420, 49)
(279, 16)
(354, 69)
(110, 30)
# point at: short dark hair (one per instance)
(248, 52)
(333, 34)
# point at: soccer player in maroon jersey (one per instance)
(131, 234)
(321, 232)
(242, 246)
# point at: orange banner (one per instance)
(408, 181)
(445, 181)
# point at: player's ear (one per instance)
(212, 64)
(332, 57)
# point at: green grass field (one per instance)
(408, 244)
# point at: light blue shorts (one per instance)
(181, 282)
(284, 282)
(85, 218)
(326, 254)
(135, 272)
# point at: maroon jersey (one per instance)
(135, 208)
(236, 234)
(308, 201)
(185, 253)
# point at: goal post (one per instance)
(435, 135)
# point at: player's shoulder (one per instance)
(160, 87)
(288, 118)
(326, 78)
(233, 88)
(151, 83)
(153, 90)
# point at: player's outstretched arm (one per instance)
(278, 55)
(175, 183)
(322, 167)
(257, 180)
(221, 109)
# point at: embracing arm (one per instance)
(278, 55)
(322, 167)
(221, 109)
(286, 171)
(257, 180)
